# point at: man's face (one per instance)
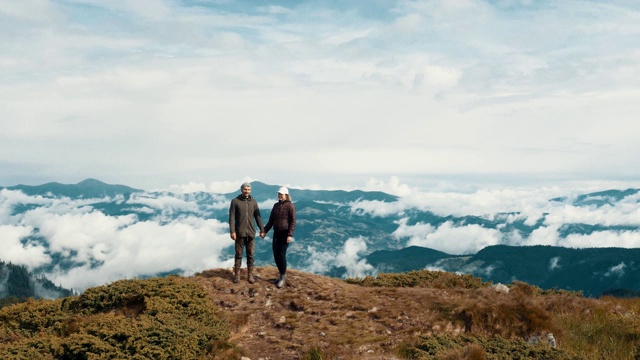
(246, 191)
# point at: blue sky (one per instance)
(153, 93)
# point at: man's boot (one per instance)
(250, 275)
(281, 281)
(236, 275)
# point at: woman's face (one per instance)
(281, 196)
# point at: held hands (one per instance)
(262, 235)
(233, 236)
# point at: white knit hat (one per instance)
(283, 190)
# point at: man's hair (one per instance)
(244, 185)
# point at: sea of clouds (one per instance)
(105, 248)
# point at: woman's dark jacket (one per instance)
(282, 218)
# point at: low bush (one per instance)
(422, 278)
(159, 318)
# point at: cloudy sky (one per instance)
(154, 93)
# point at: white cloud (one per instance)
(377, 208)
(9, 199)
(623, 239)
(513, 204)
(349, 257)
(525, 203)
(409, 23)
(617, 270)
(414, 232)
(274, 9)
(105, 248)
(24, 10)
(167, 203)
(626, 213)
(79, 232)
(393, 186)
(153, 9)
(457, 240)
(544, 235)
(554, 263)
(347, 37)
(30, 255)
(319, 262)
(145, 248)
(217, 187)
(485, 201)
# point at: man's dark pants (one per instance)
(241, 243)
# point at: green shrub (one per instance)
(159, 318)
(421, 278)
(314, 354)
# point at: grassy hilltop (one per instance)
(415, 315)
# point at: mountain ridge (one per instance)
(593, 271)
(88, 188)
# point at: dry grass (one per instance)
(318, 317)
(607, 328)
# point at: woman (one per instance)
(283, 221)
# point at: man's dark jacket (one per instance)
(241, 214)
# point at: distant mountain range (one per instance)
(89, 188)
(592, 271)
(327, 221)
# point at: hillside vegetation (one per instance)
(416, 315)
(17, 284)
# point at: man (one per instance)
(242, 212)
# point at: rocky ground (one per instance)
(313, 312)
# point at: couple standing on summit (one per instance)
(242, 212)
